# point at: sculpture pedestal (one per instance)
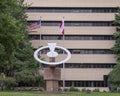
(52, 76)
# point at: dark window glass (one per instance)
(72, 10)
(71, 37)
(76, 23)
(84, 83)
(88, 65)
(82, 51)
(85, 65)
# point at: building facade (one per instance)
(88, 35)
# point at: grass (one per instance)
(68, 94)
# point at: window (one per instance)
(34, 37)
(88, 65)
(76, 23)
(84, 83)
(72, 10)
(71, 37)
(82, 51)
(91, 51)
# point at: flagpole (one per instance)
(40, 33)
(63, 68)
(63, 64)
(61, 26)
(40, 37)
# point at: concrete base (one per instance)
(52, 86)
(52, 76)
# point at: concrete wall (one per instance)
(73, 3)
(81, 44)
(85, 74)
(76, 30)
(72, 16)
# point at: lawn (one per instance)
(67, 94)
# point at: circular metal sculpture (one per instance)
(52, 53)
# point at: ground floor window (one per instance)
(84, 84)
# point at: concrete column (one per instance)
(52, 76)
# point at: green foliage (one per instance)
(12, 27)
(12, 30)
(40, 80)
(73, 89)
(16, 53)
(7, 82)
(2, 51)
(83, 90)
(96, 90)
(114, 75)
(10, 82)
(25, 76)
(26, 68)
(116, 47)
(24, 57)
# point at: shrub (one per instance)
(7, 83)
(66, 89)
(96, 90)
(104, 91)
(74, 89)
(83, 90)
(59, 89)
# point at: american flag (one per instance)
(34, 25)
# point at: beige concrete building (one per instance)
(88, 36)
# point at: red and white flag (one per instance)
(61, 27)
(35, 25)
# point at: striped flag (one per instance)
(35, 25)
(61, 27)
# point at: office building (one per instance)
(88, 35)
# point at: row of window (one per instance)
(91, 51)
(71, 37)
(85, 65)
(81, 51)
(76, 23)
(84, 84)
(72, 10)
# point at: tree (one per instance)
(12, 29)
(114, 75)
(16, 53)
(26, 68)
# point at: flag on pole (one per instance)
(61, 27)
(35, 25)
